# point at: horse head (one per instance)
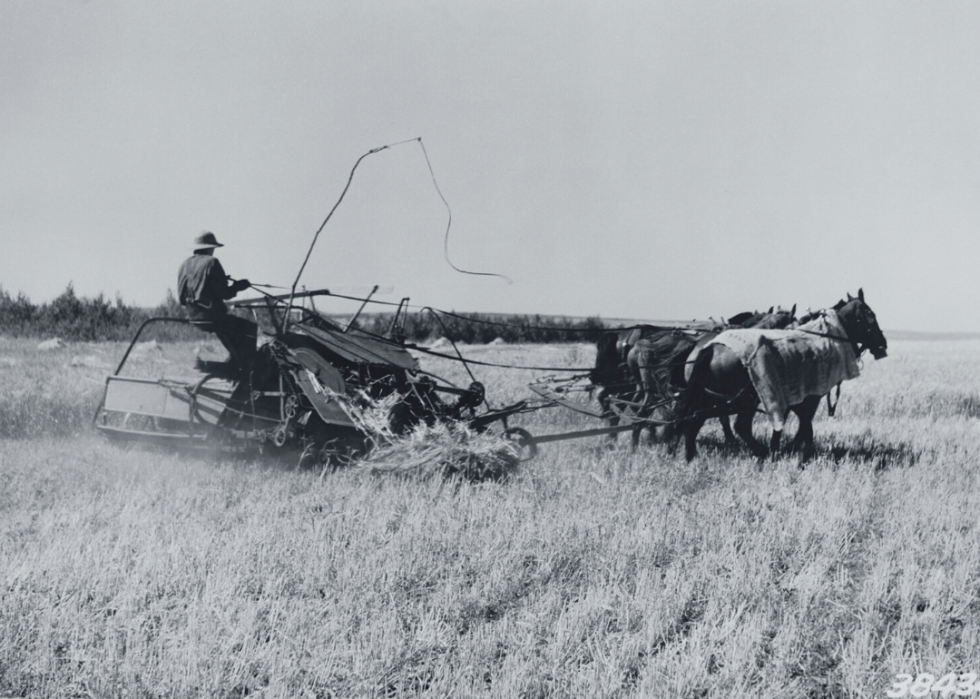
(740, 319)
(861, 325)
(774, 319)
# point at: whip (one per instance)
(350, 178)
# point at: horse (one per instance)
(613, 374)
(785, 370)
(644, 365)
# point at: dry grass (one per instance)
(589, 572)
(444, 450)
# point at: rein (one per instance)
(859, 349)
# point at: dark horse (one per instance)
(788, 370)
(642, 368)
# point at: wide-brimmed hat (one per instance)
(206, 240)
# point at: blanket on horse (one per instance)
(786, 366)
(657, 362)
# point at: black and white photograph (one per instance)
(526, 349)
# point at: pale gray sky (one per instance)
(662, 160)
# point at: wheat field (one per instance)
(592, 572)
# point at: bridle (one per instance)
(860, 330)
(863, 334)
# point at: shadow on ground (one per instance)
(877, 454)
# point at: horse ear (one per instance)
(849, 297)
(861, 293)
(792, 311)
(771, 309)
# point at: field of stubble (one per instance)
(592, 573)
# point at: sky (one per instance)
(643, 160)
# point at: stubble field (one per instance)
(592, 572)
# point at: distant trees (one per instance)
(481, 328)
(82, 319)
(95, 319)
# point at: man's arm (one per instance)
(239, 285)
(223, 288)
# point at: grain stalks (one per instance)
(446, 449)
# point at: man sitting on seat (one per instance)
(203, 286)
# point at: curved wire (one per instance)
(445, 240)
(350, 178)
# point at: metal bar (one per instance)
(137, 336)
(402, 305)
(358, 314)
(451, 389)
(597, 432)
(278, 297)
(557, 399)
(129, 349)
(161, 436)
(271, 308)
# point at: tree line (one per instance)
(72, 317)
(97, 319)
(483, 328)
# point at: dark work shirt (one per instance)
(202, 286)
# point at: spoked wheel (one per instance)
(527, 449)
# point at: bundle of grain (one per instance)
(445, 449)
(372, 417)
(442, 449)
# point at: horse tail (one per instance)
(606, 360)
(697, 369)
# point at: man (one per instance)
(203, 286)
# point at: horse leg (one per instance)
(612, 421)
(691, 429)
(672, 431)
(689, 409)
(638, 396)
(642, 414)
(693, 401)
(726, 427)
(777, 436)
(743, 427)
(610, 416)
(637, 360)
(805, 411)
(647, 383)
(804, 435)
